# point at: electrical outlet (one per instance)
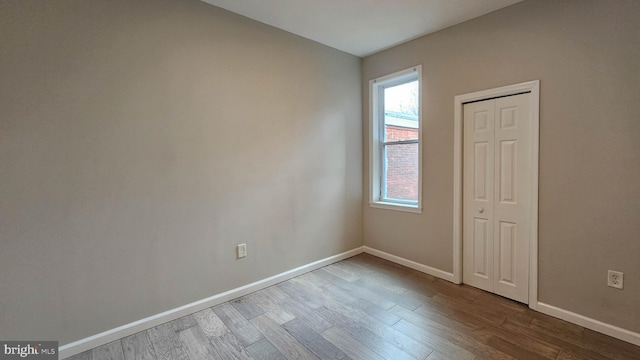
(241, 250)
(615, 279)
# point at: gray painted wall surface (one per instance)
(587, 56)
(141, 140)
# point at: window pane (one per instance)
(401, 112)
(398, 133)
(401, 171)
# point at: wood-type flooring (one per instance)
(366, 308)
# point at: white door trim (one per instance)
(532, 87)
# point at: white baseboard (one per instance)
(108, 336)
(589, 323)
(410, 264)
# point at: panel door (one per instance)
(477, 225)
(496, 199)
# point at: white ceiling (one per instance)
(361, 27)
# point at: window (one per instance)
(395, 141)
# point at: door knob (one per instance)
(481, 210)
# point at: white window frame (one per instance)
(376, 138)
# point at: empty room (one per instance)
(299, 179)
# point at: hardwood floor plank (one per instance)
(557, 327)
(196, 344)
(264, 350)
(391, 269)
(523, 319)
(420, 294)
(333, 303)
(166, 344)
(246, 307)
(350, 346)
(582, 342)
(330, 296)
(308, 317)
(339, 293)
(312, 278)
(486, 331)
(183, 323)
(315, 288)
(442, 355)
(376, 311)
(224, 342)
(574, 346)
(313, 341)
(347, 297)
(387, 282)
(435, 319)
(434, 341)
(411, 280)
(281, 339)
(353, 267)
(367, 334)
(514, 350)
(239, 326)
(604, 344)
(406, 301)
(342, 274)
(270, 307)
(348, 320)
(138, 347)
(355, 291)
(110, 351)
(462, 293)
(210, 323)
(228, 347)
(499, 303)
(525, 342)
(377, 326)
(299, 293)
(442, 329)
(569, 355)
(289, 302)
(275, 293)
(367, 261)
(469, 309)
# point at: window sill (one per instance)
(416, 209)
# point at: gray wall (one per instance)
(587, 56)
(140, 141)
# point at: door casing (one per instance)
(532, 87)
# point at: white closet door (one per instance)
(477, 226)
(496, 201)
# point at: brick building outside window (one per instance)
(401, 170)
